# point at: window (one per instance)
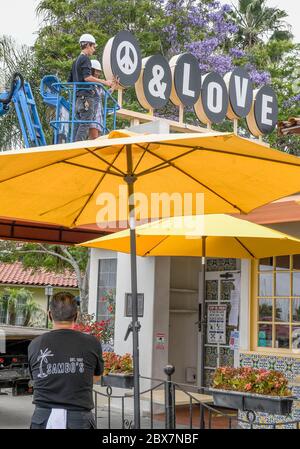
(107, 281)
(278, 303)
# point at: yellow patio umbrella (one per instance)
(71, 184)
(214, 235)
(63, 184)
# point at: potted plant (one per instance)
(252, 389)
(118, 370)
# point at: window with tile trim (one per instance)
(106, 291)
(278, 303)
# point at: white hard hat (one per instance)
(87, 38)
(96, 64)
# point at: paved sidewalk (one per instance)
(15, 411)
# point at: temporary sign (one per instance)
(216, 324)
(240, 93)
(234, 340)
(186, 79)
(264, 112)
(157, 81)
(154, 85)
(122, 58)
(213, 101)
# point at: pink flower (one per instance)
(248, 387)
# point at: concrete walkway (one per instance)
(15, 411)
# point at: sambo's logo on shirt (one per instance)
(74, 365)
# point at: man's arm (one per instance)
(92, 79)
(96, 379)
(99, 366)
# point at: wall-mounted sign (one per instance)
(122, 58)
(186, 79)
(160, 340)
(216, 324)
(154, 85)
(157, 81)
(128, 304)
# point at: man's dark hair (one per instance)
(63, 307)
(84, 45)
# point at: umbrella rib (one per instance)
(140, 159)
(232, 153)
(39, 168)
(194, 179)
(245, 248)
(92, 168)
(157, 244)
(96, 187)
(163, 165)
(49, 165)
(106, 162)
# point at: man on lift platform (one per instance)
(86, 98)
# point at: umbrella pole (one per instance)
(130, 179)
(202, 318)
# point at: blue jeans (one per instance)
(84, 110)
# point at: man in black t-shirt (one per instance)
(81, 72)
(63, 365)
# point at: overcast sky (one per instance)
(18, 19)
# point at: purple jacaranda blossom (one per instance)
(291, 101)
(226, 8)
(220, 63)
(260, 77)
(237, 53)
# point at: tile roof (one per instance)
(16, 274)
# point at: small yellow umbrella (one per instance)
(225, 236)
(202, 235)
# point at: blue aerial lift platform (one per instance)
(61, 99)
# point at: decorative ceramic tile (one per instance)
(226, 287)
(208, 375)
(211, 356)
(226, 357)
(212, 290)
(290, 367)
(221, 264)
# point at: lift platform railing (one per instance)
(63, 96)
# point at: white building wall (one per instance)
(245, 304)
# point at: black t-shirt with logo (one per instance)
(62, 364)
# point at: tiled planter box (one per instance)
(117, 380)
(255, 402)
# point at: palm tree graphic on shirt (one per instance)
(43, 357)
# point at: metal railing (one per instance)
(191, 412)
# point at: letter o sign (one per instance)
(213, 101)
(186, 79)
(263, 116)
(154, 85)
(122, 58)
